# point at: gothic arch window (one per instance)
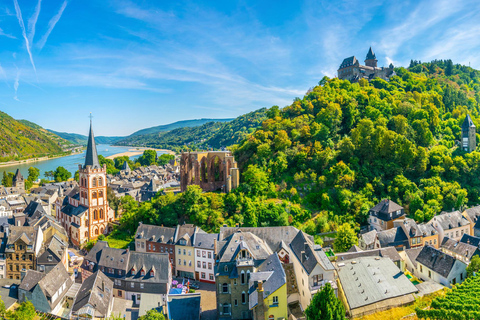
(86, 234)
(94, 182)
(100, 181)
(101, 230)
(94, 195)
(96, 231)
(100, 194)
(101, 213)
(95, 214)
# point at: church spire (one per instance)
(371, 55)
(91, 158)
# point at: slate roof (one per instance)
(31, 279)
(413, 254)
(258, 249)
(427, 229)
(473, 213)
(389, 252)
(312, 254)
(185, 307)
(74, 211)
(386, 207)
(91, 293)
(160, 262)
(393, 237)
(350, 61)
(91, 157)
(369, 237)
(156, 233)
(55, 248)
(475, 241)
(205, 240)
(271, 273)
(436, 260)
(273, 236)
(462, 249)
(411, 228)
(467, 123)
(34, 210)
(370, 54)
(114, 258)
(369, 280)
(95, 253)
(27, 234)
(185, 231)
(53, 280)
(450, 220)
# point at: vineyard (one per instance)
(461, 303)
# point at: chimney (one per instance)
(260, 309)
(214, 246)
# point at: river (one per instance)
(69, 162)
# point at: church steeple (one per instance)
(371, 60)
(91, 158)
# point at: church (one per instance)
(85, 213)
(352, 70)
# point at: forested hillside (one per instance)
(80, 139)
(26, 140)
(176, 125)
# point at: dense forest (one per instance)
(23, 139)
(214, 134)
(327, 158)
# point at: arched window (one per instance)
(96, 232)
(101, 213)
(244, 297)
(100, 181)
(94, 195)
(95, 214)
(100, 194)
(248, 275)
(271, 317)
(86, 234)
(101, 230)
(94, 182)
(225, 288)
(142, 272)
(242, 277)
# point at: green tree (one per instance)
(345, 238)
(26, 311)
(7, 180)
(325, 306)
(49, 174)
(474, 266)
(61, 174)
(165, 159)
(33, 174)
(148, 158)
(257, 180)
(152, 315)
(2, 308)
(449, 68)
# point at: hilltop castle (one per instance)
(352, 70)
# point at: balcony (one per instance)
(244, 262)
(319, 285)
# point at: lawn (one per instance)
(405, 312)
(119, 239)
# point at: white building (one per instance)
(204, 244)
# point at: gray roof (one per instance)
(450, 220)
(27, 234)
(95, 253)
(462, 249)
(91, 157)
(185, 307)
(158, 262)
(370, 54)
(31, 279)
(205, 240)
(386, 207)
(393, 237)
(348, 62)
(369, 280)
(273, 236)
(271, 273)
(389, 252)
(114, 258)
(185, 231)
(427, 229)
(473, 213)
(309, 254)
(53, 280)
(369, 237)
(413, 254)
(466, 238)
(436, 260)
(258, 249)
(156, 233)
(467, 123)
(70, 210)
(411, 228)
(34, 210)
(91, 293)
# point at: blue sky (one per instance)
(137, 64)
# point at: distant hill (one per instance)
(178, 124)
(82, 140)
(213, 134)
(24, 139)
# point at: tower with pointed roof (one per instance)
(18, 180)
(93, 192)
(371, 60)
(469, 135)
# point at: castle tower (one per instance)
(18, 180)
(469, 137)
(371, 60)
(93, 191)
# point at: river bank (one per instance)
(33, 160)
(138, 151)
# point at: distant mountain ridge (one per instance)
(22, 139)
(80, 139)
(178, 124)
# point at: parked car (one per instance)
(194, 285)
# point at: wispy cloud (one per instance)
(22, 26)
(16, 84)
(33, 21)
(2, 33)
(51, 25)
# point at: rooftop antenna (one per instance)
(91, 117)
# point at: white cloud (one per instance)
(22, 26)
(51, 25)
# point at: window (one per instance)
(435, 241)
(118, 282)
(421, 268)
(179, 261)
(456, 233)
(132, 285)
(141, 285)
(235, 303)
(210, 266)
(190, 263)
(189, 252)
(198, 264)
(142, 272)
(226, 309)
(429, 273)
(209, 255)
(242, 277)
(179, 251)
(275, 299)
(211, 277)
(184, 262)
(225, 288)
(203, 275)
(204, 265)
(198, 253)
(244, 297)
(225, 268)
(234, 282)
(204, 254)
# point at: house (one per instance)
(409, 256)
(418, 234)
(430, 235)
(133, 273)
(239, 255)
(95, 297)
(382, 216)
(184, 240)
(471, 240)
(460, 250)
(371, 284)
(395, 237)
(433, 264)
(23, 246)
(352, 70)
(3, 259)
(268, 290)
(204, 244)
(450, 224)
(46, 290)
(150, 238)
(312, 267)
(51, 254)
(472, 214)
(369, 240)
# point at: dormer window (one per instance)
(132, 271)
(152, 273)
(142, 272)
